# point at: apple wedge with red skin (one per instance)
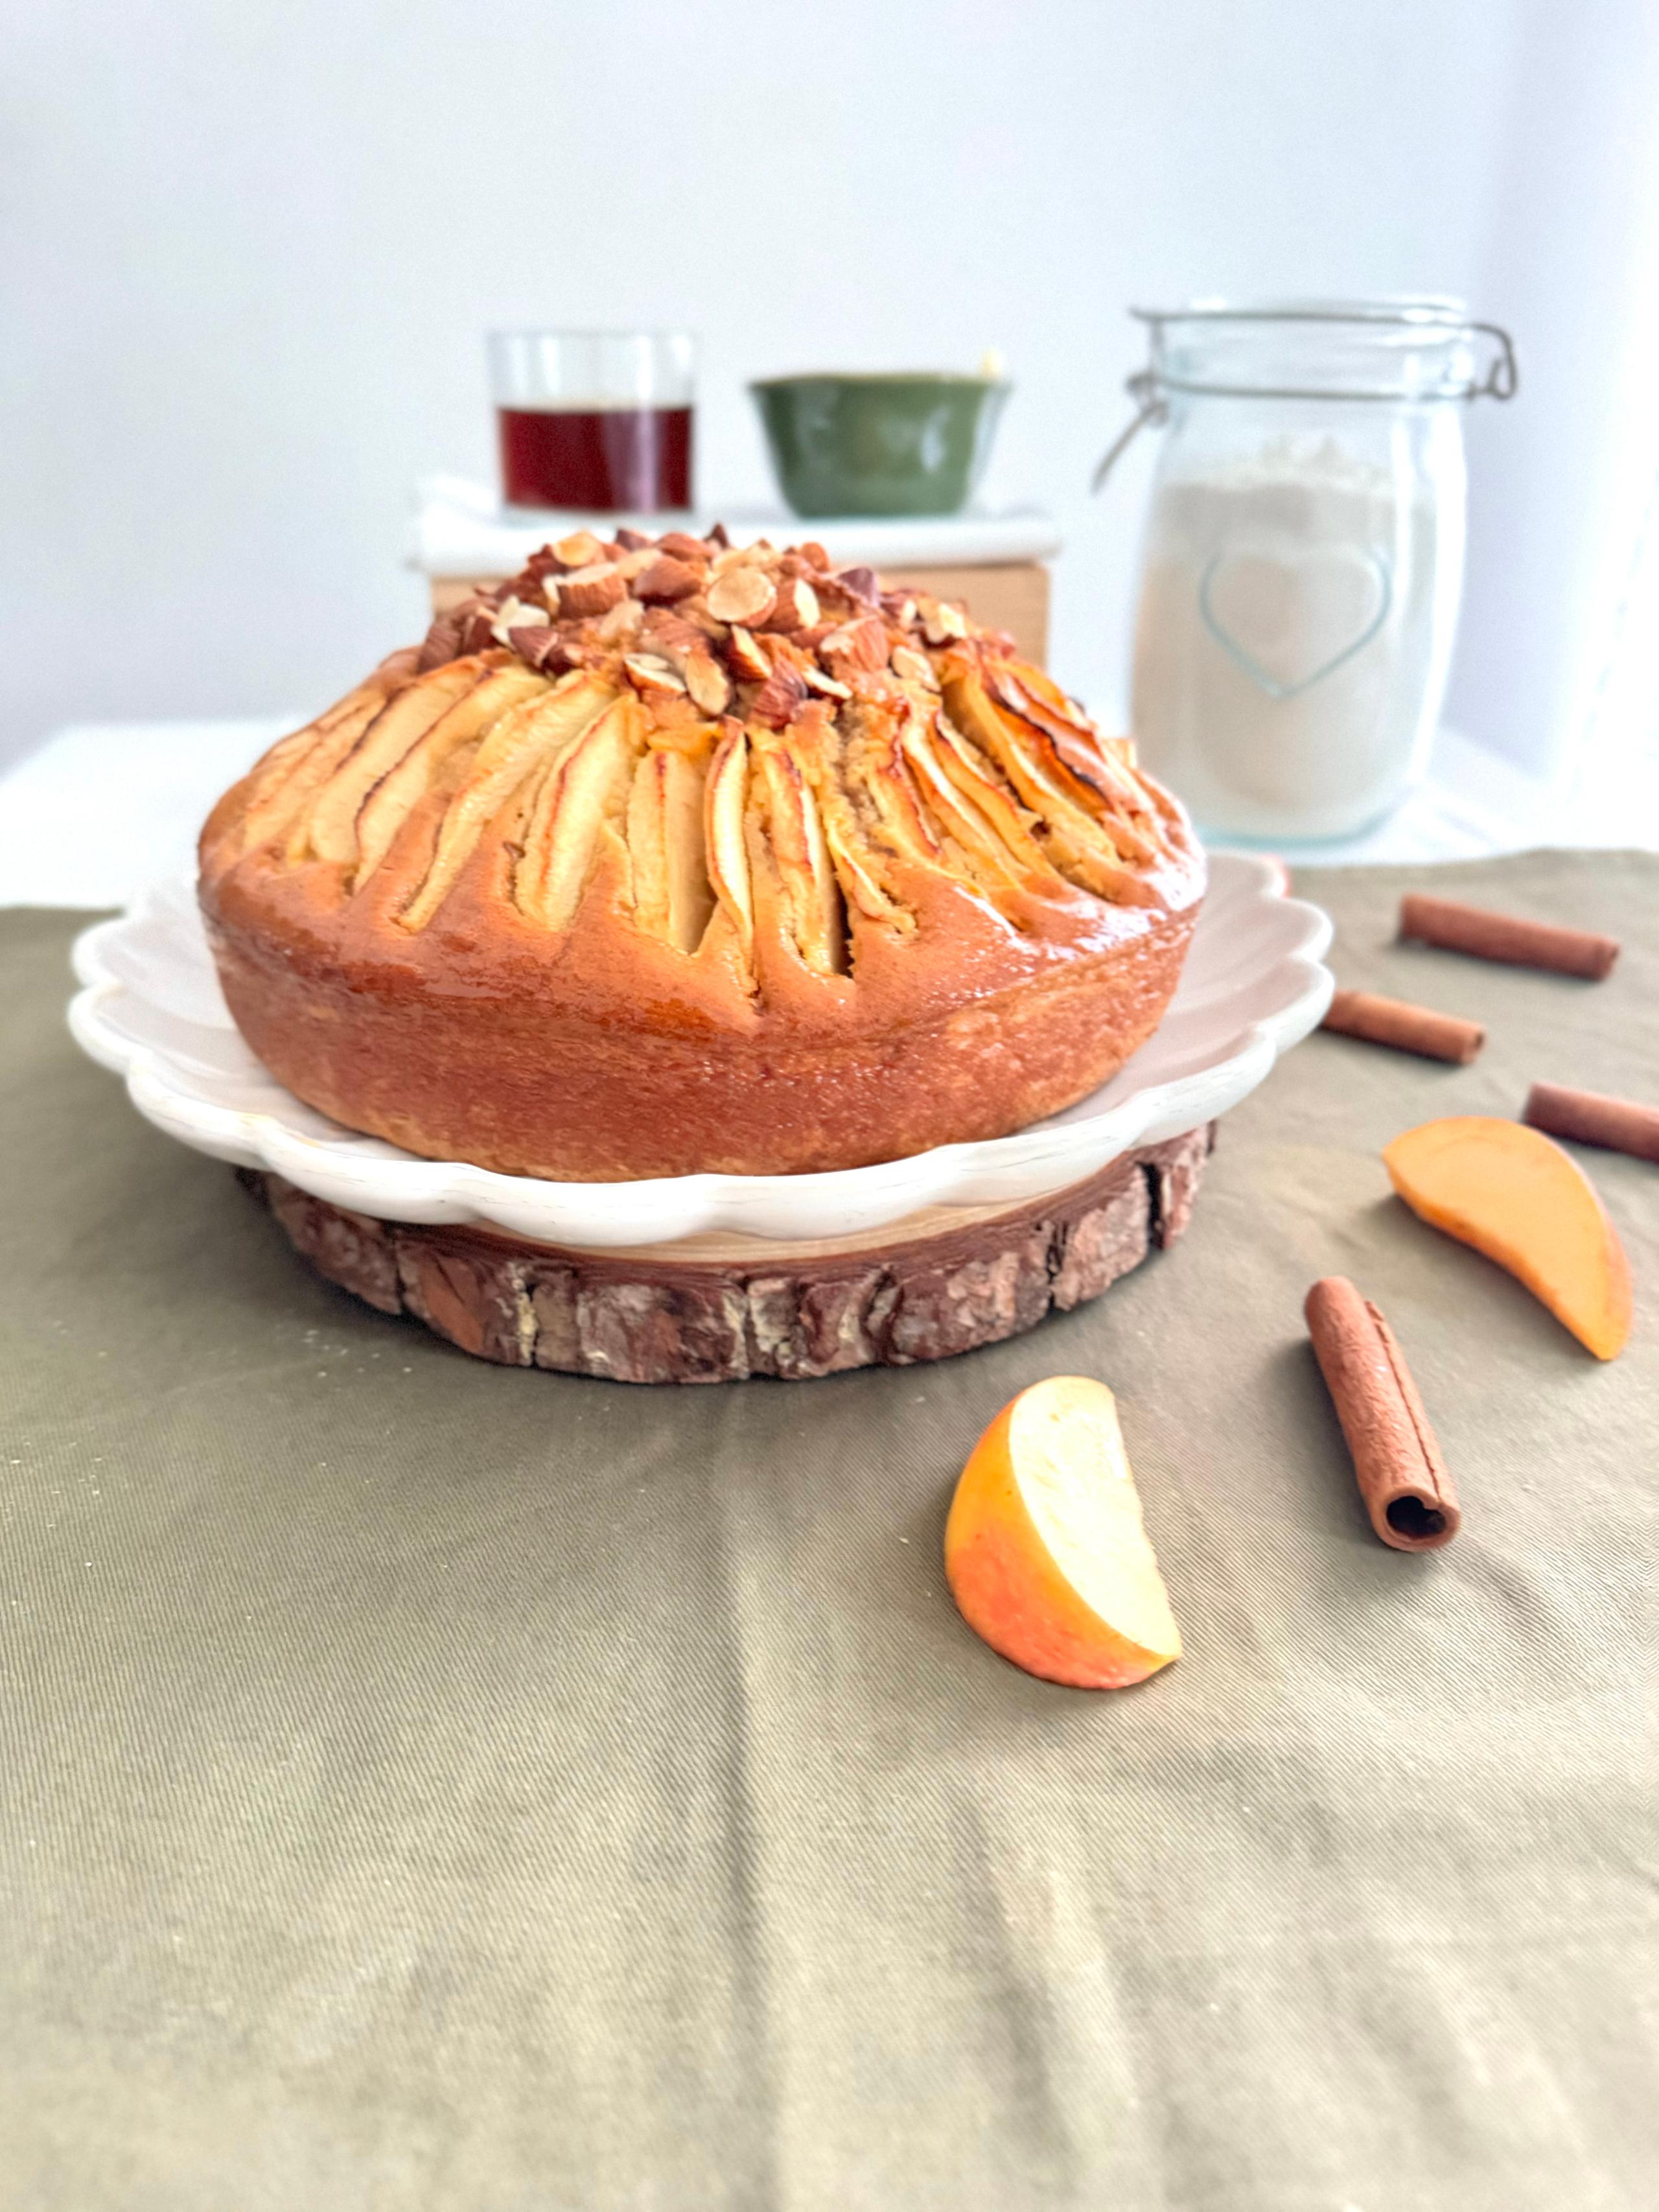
(1045, 1550)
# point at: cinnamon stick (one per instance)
(1455, 928)
(1407, 1028)
(1396, 1459)
(1588, 1117)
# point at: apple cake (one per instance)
(672, 854)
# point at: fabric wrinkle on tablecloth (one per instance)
(427, 1784)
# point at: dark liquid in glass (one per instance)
(620, 459)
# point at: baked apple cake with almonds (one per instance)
(671, 855)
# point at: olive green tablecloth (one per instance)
(430, 1785)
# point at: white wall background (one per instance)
(249, 251)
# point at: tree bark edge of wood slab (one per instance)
(523, 1304)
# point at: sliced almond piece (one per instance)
(591, 591)
(514, 613)
(829, 686)
(665, 629)
(797, 837)
(584, 789)
(776, 702)
(748, 656)
(665, 580)
(389, 805)
(579, 550)
(795, 606)
(329, 831)
(864, 644)
(758, 551)
(940, 621)
(741, 595)
(913, 668)
(618, 625)
(649, 672)
(707, 681)
(543, 647)
(724, 800)
(861, 583)
(527, 736)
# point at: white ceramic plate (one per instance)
(152, 1011)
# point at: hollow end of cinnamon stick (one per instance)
(1408, 1493)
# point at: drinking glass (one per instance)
(594, 421)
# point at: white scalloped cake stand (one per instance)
(151, 1010)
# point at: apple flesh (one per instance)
(1513, 1195)
(1045, 1549)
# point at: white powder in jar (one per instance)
(1292, 637)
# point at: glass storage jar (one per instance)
(1304, 556)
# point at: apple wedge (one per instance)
(1081, 847)
(528, 735)
(1091, 767)
(586, 789)
(986, 854)
(330, 830)
(390, 800)
(726, 799)
(795, 829)
(858, 866)
(672, 896)
(971, 773)
(286, 779)
(1518, 1197)
(1045, 1550)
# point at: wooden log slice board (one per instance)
(717, 1310)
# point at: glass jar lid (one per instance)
(1410, 352)
(1407, 350)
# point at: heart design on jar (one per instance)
(1290, 620)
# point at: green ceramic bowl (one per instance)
(878, 444)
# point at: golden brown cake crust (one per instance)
(523, 899)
